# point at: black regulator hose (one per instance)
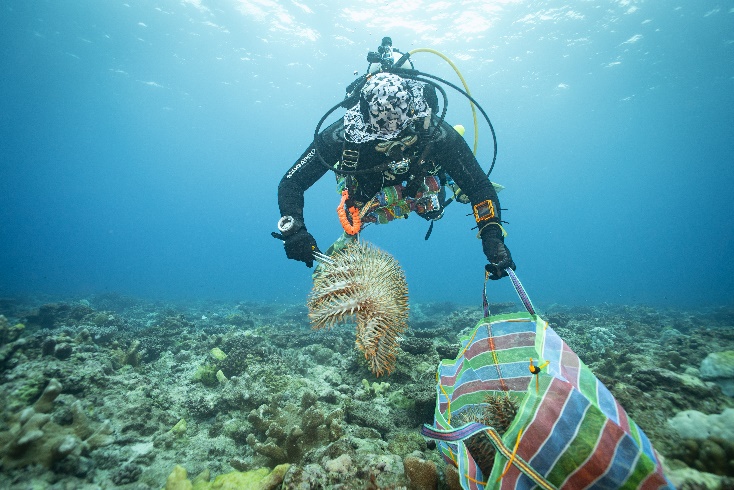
(400, 71)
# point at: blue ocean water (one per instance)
(142, 142)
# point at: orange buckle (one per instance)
(484, 211)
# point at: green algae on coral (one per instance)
(180, 428)
(218, 354)
(397, 399)
(378, 389)
(259, 479)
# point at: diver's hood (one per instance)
(387, 105)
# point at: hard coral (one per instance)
(286, 433)
(9, 333)
(33, 438)
(422, 474)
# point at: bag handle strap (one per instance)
(519, 289)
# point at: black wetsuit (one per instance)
(448, 155)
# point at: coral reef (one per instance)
(34, 438)
(285, 433)
(137, 392)
(707, 440)
(364, 281)
(259, 479)
(692, 424)
(422, 474)
(719, 368)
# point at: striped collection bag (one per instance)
(517, 409)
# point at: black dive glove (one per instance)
(299, 244)
(497, 253)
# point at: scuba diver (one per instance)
(393, 153)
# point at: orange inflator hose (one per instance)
(353, 227)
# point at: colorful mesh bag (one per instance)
(517, 409)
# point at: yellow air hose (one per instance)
(463, 82)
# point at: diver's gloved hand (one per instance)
(497, 253)
(297, 241)
(301, 246)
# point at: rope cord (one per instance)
(356, 222)
(474, 480)
(519, 463)
(536, 370)
(495, 359)
(472, 99)
(512, 457)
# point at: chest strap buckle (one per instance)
(350, 158)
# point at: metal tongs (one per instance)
(323, 258)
